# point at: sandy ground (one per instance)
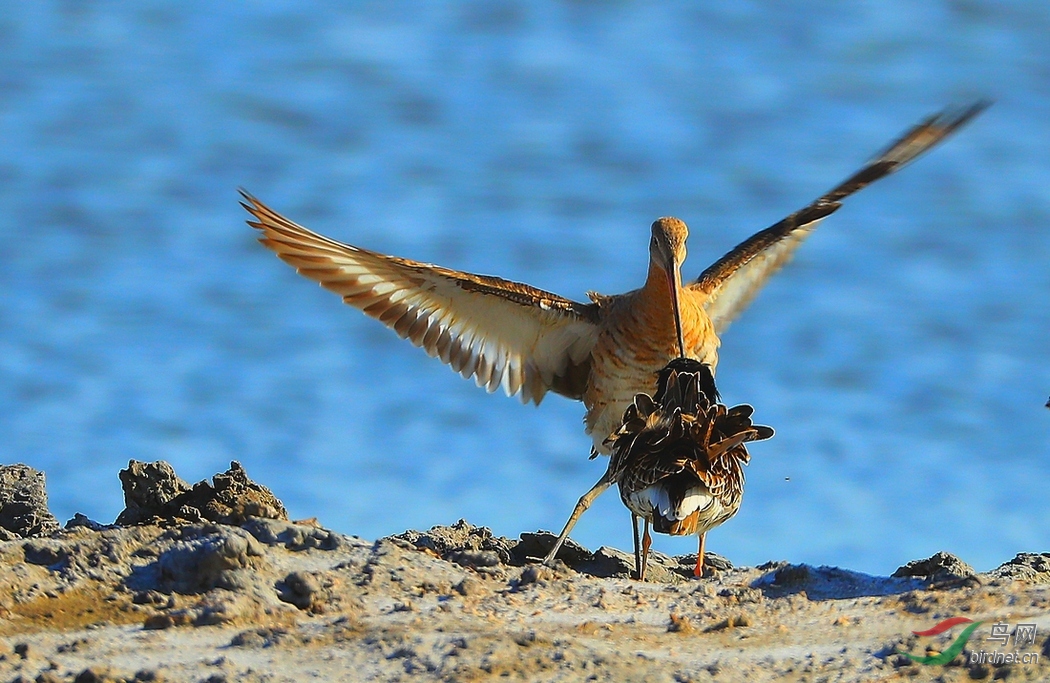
(213, 583)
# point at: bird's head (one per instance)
(667, 247)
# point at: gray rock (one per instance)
(538, 544)
(292, 536)
(1030, 567)
(610, 562)
(210, 561)
(80, 520)
(474, 558)
(149, 487)
(824, 583)
(304, 590)
(45, 552)
(793, 575)
(261, 637)
(153, 491)
(468, 586)
(461, 537)
(23, 503)
(941, 566)
(711, 562)
(233, 498)
(535, 573)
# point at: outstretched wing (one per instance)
(733, 281)
(501, 333)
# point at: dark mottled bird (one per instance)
(678, 458)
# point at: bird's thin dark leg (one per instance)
(637, 550)
(699, 571)
(584, 503)
(647, 541)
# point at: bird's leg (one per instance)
(699, 571)
(584, 503)
(647, 542)
(637, 551)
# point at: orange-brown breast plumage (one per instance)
(637, 341)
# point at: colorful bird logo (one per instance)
(952, 650)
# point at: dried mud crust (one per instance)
(274, 600)
(477, 548)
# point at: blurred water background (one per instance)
(902, 357)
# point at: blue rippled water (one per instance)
(902, 357)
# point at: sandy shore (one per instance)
(213, 583)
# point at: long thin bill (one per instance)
(673, 286)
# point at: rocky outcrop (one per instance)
(153, 492)
(23, 503)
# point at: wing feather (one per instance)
(733, 281)
(501, 333)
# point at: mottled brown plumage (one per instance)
(678, 458)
